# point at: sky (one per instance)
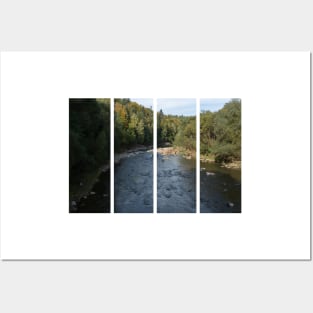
(212, 105)
(148, 103)
(180, 106)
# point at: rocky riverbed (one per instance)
(220, 189)
(176, 183)
(133, 182)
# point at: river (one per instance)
(133, 183)
(176, 184)
(220, 189)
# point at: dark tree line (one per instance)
(220, 132)
(133, 124)
(177, 130)
(89, 135)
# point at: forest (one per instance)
(89, 136)
(176, 130)
(89, 133)
(133, 124)
(220, 133)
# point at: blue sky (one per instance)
(148, 103)
(212, 105)
(180, 106)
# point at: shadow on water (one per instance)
(176, 184)
(133, 184)
(98, 200)
(220, 189)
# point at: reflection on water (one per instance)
(220, 189)
(133, 184)
(176, 184)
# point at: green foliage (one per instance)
(177, 130)
(186, 133)
(89, 134)
(133, 124)
(220, 132)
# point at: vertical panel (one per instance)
(220, 147)
(89, 152)
(176, 159)
(133, 157)
(198, 156)
(112, 153)
(155, 159)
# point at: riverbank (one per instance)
(211, 159)
(185, 153)
(131, 152)
(87, 181)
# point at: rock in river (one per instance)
(167, 194)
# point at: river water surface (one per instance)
(220, 189)
(133, 183)
(176, 184)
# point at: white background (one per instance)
(168, 286)
(275, 93)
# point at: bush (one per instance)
(225, 154)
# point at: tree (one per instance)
(133, 124)
(140, 132)
(220, 132)
(89, 135)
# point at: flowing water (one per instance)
(176, 184)
(220, 189)
(133, 183)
